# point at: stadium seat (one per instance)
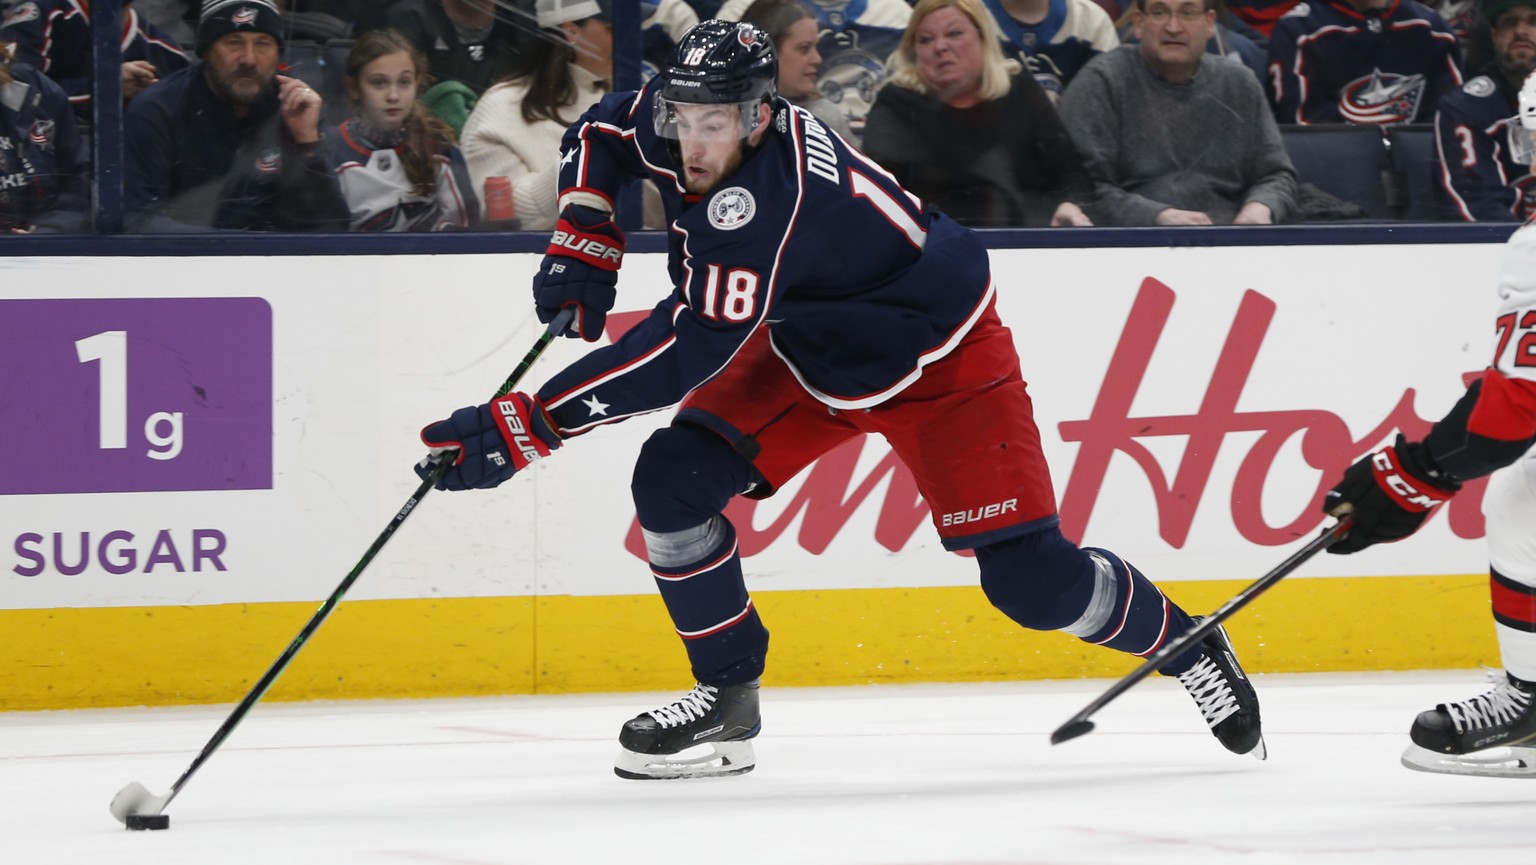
(1414, 169)
(1345, 160)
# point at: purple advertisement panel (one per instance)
(135, 395)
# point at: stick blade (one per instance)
(136, 800)
(1071, 730)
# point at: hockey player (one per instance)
(1389, 494)
(780, 344)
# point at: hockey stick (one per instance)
(137, 808)
(1079, 724)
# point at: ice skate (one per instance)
(1225, 696)
(1489, 735)
(706, 734)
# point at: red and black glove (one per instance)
(1388, 495)
(581, 270)
(494, 441)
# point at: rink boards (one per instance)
(200, 448)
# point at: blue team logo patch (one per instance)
(1480, 86)
(245, 17)
(731, 208)
(269, 161)
(1381, 98)
(41, 133)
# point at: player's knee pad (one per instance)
(684, 476)
(1040, 580)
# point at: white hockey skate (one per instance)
(1492, 735)
(706, 734)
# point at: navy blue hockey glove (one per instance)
(1388, 494)
(493, 442)
(580, 270)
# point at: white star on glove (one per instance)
(595, 406)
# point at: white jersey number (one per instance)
(737, 302)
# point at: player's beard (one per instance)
(242, 85)
(704, 185)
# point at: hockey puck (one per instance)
(148, 821)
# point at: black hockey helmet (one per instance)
(718, 63)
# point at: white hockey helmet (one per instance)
(1521, 132)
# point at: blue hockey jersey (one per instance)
(1329, 62)
(42, 160)
(858, 283)
(1480, 182)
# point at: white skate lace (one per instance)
(695, 704)
(1500, 706)
(1210, 689)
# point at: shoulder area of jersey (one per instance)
(1480, 86)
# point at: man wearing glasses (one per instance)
(1174, 137)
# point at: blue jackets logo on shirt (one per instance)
(731, 208)
(1381, 98)
(41, 133)
(270, 161)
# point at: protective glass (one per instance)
(1520, 148)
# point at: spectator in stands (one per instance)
(1172, 136)
(1232, 38)
(1053, 38)
(474, 42)
(1361, 61)
(399, 166)
(42, 171)
(857, 37)
(792, 28)
(54, 36)
(228, 143)
(516, 127)
(969, 131)
(1477, 126)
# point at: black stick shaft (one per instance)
(555, 327)
(1077, 725)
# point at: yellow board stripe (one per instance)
(130, 656)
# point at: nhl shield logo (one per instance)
(245, 16)
(731, 208)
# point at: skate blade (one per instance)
(1504, 762)
(1260, 751)
(712, 760)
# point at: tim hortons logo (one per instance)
(831, 493)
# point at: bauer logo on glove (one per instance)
(493, 442)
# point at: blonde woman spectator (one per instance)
(793, 30)
(970, 132)
(398, 165)
(516, 127)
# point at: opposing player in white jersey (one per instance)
(1490, 431)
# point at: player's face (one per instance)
(1173, 34)
(799, 61)
(242, 66)
(948, 48)
(711, 144)
(385, 90)
(1514, 41)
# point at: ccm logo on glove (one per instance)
(1395, 481)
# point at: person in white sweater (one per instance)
(516, 127)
